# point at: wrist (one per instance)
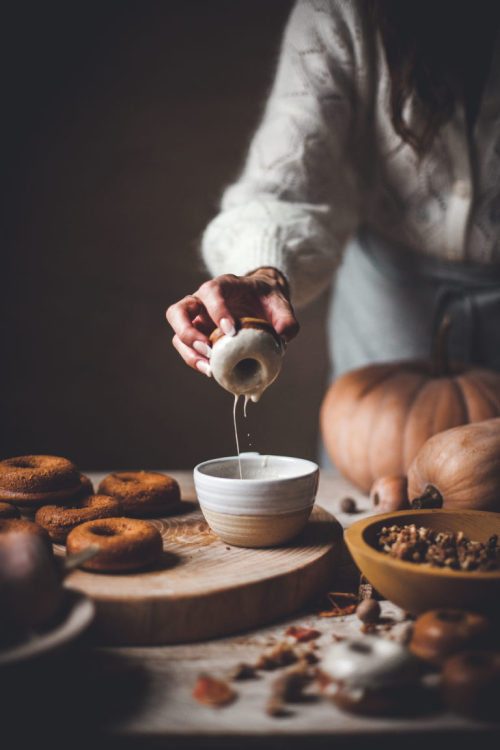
(273, 275)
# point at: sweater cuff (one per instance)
(293, 238)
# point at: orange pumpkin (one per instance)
(374, 419)
(459, 468)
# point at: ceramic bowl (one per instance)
(419, 587)
(267, 507)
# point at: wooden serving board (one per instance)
(202, 588)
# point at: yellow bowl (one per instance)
(418, 587)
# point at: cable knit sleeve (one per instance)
(297, 199)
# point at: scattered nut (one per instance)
(368, 611)
(280, 656)
(348, 505)
(242, 671)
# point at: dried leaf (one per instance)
(342, 603)
(212, 692)
(302, 635)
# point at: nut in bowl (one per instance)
(269, 506)
(415, 586)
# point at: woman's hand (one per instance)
(263, 293)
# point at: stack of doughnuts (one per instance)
(63, 502)
(31, 481)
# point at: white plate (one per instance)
(77, 612)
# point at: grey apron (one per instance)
(389, 301)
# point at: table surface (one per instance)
(143, 694)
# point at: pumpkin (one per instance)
(374, 419)
(458, 468)
(388, 494)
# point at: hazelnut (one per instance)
(348, 505)
(368, 610)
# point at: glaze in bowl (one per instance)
(269, 506)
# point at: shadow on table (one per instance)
(73, 696)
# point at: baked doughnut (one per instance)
(18, 524)
(141, 493)
(58, 521)
(125, 543)
(7, 510)
(470, 683)
(441, 632)
(31, 481)
(371, 675)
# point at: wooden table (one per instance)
(141, 697)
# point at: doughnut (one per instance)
(7, 510)
(58, 521)
(371, 675)
(470, 683)
(247, 363)
(141, 493)
(7, 525)
(441, 632)
(31, 481)
(125, 543)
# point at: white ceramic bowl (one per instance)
(269, 506)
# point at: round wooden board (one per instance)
(203, 588)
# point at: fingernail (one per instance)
(227, 327)
(204, 367)
(202, 348)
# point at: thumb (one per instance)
(280, 314)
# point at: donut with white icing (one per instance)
(372, 675)
(247, 363)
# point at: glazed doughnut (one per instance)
(125, 543)
(371, 675)
(7, 510)
(8, 525)
(470, 683)
(441, 632)
(31, 481)
(141, 493)
(58, 521)
(247, 363)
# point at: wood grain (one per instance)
(202, 588)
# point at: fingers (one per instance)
(214, 294)
(191, 358)
(280, 314)
(182, 316)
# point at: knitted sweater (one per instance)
(326, 160)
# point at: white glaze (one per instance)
(246, 364)
(236, 432)
(369, 662)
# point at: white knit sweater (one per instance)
(325, 160)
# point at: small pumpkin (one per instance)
(388, 494)
(458, 468)
(375, 419)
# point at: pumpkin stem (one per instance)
(430, 498)
(440, 349)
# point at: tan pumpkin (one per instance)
(388, 494)
(374, 419)
(458, 468)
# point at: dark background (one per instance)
(122, 123)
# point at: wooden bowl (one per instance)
(418, 587)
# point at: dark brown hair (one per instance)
(438, 50)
